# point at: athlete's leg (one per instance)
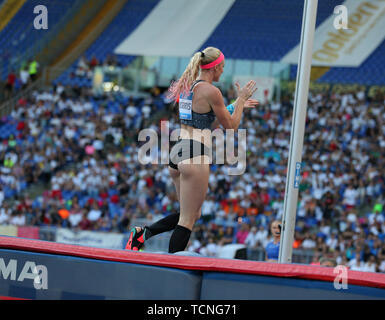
(139, 234)
(193, 188)
(175, 176)
(169, 222)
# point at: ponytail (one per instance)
(191, 73)
(186, 80)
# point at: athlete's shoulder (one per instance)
(212, 90)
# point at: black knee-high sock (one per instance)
(179, 239)
(168, 223)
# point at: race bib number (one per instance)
(185, 107)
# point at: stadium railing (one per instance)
(160, 244)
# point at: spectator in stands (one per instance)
(242, 233)
(82, 67)
(309, 241)
(261, 236)
(33, 66)
(17, 218)
(24, 77)
(356, 263)
(75, 215)
(94, 62)
(252, 238)
(371, 265)
(5, 214)
(10, 84)
(332, 241)
(85, 223)
(272, 248)
(350, 196)
(210, 248)
(228, 236)
(328, 262)
(48, 116)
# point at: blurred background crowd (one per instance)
(81, 152)
(71, 110)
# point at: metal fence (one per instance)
(160, 244)
(47, 233)
(299, 256)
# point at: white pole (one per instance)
(297, 131)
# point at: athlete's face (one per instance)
(219, 70)
(275, 229)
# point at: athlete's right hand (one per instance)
(247, 91)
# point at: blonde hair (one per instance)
(192, 72)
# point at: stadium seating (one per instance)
(125, 22)
(240, 35)
(246, 34)
(20, 35)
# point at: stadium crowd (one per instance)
(85, 148)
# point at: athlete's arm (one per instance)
(224, 117)
(250, 103)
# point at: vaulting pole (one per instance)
(297, 131)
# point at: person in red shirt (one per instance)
(85, 223)
(94, 62)
(10, 84)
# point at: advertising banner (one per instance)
(28, 232)
(8, 231)
(91, 238)
(350, 45)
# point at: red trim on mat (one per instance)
(368, 279)
(11, 298)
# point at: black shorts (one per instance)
(187, 149)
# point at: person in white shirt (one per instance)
(94, 214)
(371, 264)
(75, 216)
(332, 241)
(356, 263)
(4, 216)
(381, 267)
(208, 209)
(17, 220)
(309, 242)
(350, 196)
(262, 235)
(131, 110)
(24, 77)
(211, 248)
(251, 239)
(146, 110)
